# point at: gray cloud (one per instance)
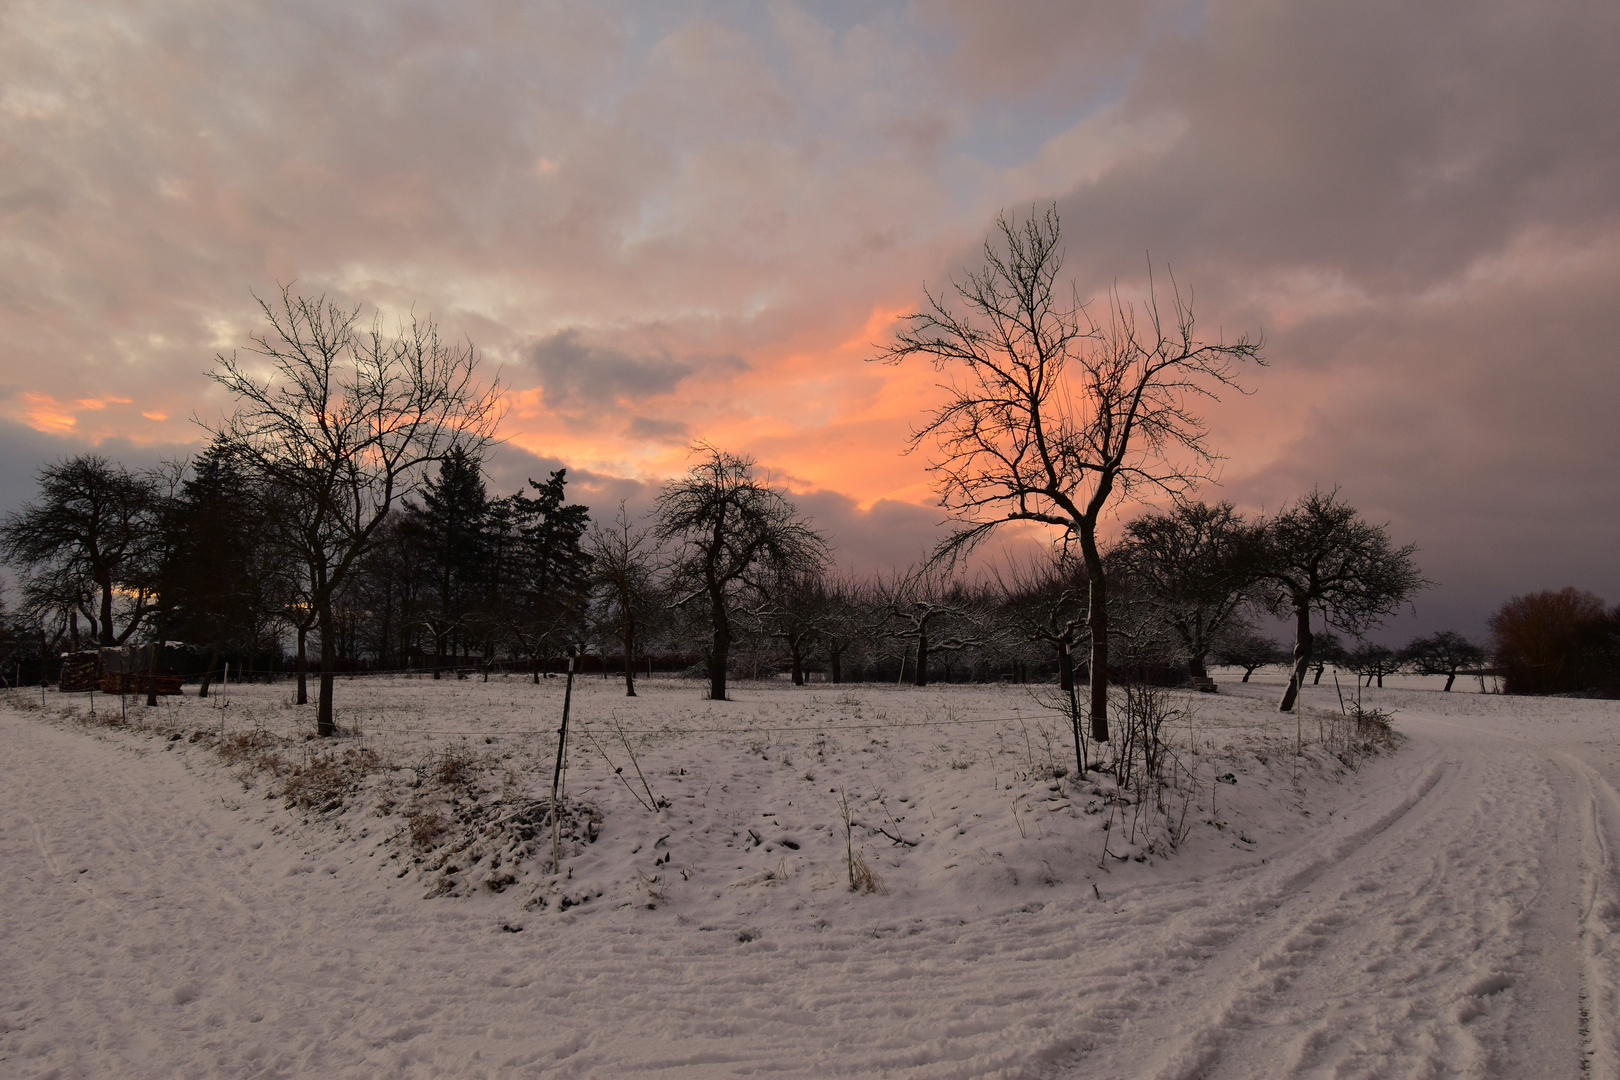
(649, 429)
(574, 374)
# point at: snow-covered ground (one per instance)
(206, 893)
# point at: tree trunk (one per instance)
(1451, 677)
(1195, 665)
(1302, 656)
(303, 665)
(208, 674)
(105, 634)
(1246, 673)
(835, 664)
(324, 727)
(1097, 616)
(718, 655)
(629, 654)
(1316, 680)
(922, 656)
(152, 674)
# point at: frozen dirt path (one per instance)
(1454, 916)
(1466, 927)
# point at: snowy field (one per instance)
(206, 892)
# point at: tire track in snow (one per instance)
(1403, 949)
(1599, 921)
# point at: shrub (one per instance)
(1555, 642)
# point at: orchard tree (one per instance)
(795, 609)
(845, 619)
(624, 564)
(1045, 601)
(1321, 555)
(90, 544)
(1194, 567)
(343, 421)
(936, 615)
(1444, 653)
(1326, 649)
(729, 526)
(1051, 417)
(1243, 646)
(1373, 662)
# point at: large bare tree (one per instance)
(342, 421)
(1050, 415)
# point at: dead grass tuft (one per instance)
(324, 781)
(455, 767)
(862, 878)
(426, 826)
(248, 746)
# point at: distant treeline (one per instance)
(455, 580)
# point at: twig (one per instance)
(618, 771)
(619, 728)
(891, 836)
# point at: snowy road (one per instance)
(1456, 915)
(1463, 924)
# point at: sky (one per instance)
(668, 222)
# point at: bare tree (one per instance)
(1444, 653)
(1320, 554)
(92, 544)
(937, 614)
(730, 525)
(1242, 646)
(624, 567)
(794, 609)
(1193, 566)
(1371, 661)
(1052, 417)
(1046, 601)
(343, 422)
(845, 619)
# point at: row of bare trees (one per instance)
(1051, 417)
(335, 426)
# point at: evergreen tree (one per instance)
(547, 568)
(449, 528)
(212, 583)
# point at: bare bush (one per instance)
(325, 781)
